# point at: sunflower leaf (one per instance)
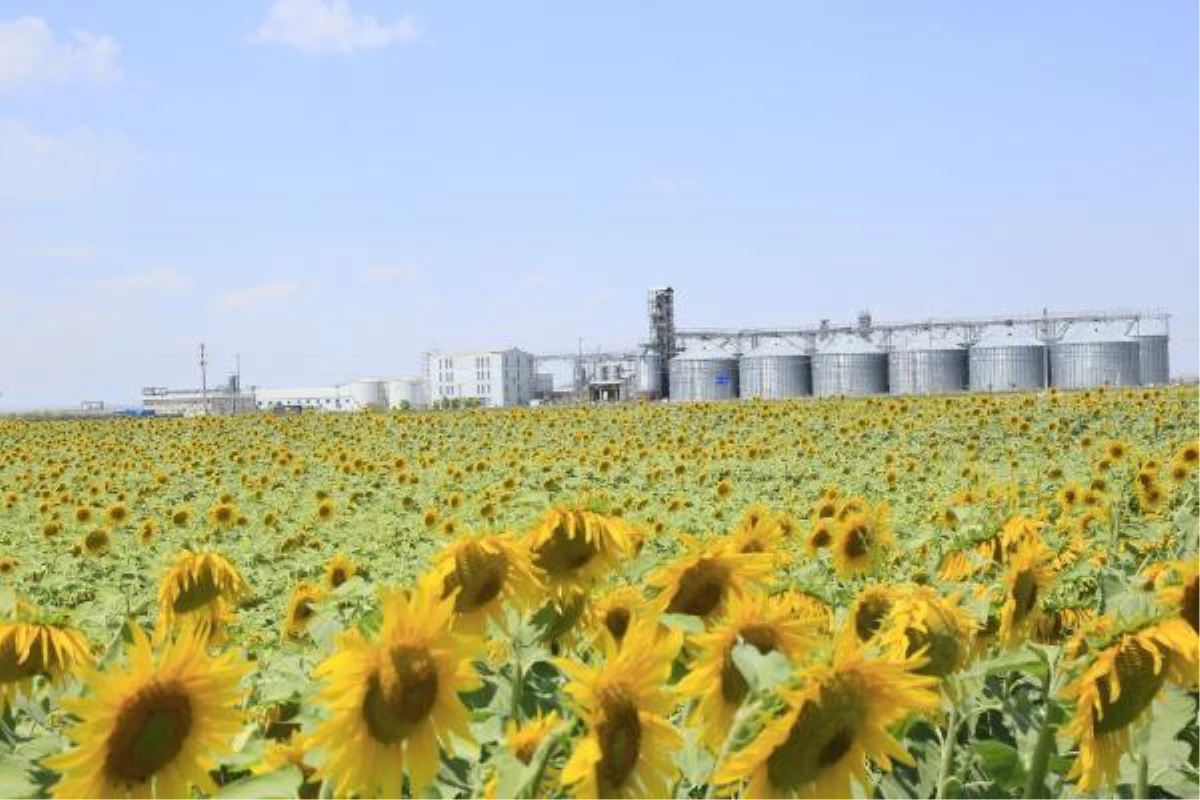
(283, 782)
(763, 673)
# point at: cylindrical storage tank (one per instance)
(704, 373)
(1007, 360)
(648, 376)
(1094, 355)
(918, 371)
(1154, 367)
(406, 393)
(368, 393)
(773, 370)
(849, 365)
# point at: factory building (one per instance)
(491, 378)
(223, 400)
(360, 394)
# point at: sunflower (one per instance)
(339, 570)
(624, 703)
(758, 531)
(1025, 584)
(1116, 688)
(572, 548)
(820, 537)
(29, 647)
(923, 624)
(392, 699)
(863, 539)
(869, 611)
(300, 609)
(612, 614)
(1179, 591)
(325, 510)
(199, 592)
(837, 717)
(97, 542)
(223, 515)
(702, 583)
(770, 624)
(156, 728)
(483, 573)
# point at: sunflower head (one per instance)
(612, 614)
(301, 608)
(1026, 582)
(1179, 591)
(702, 583)
(482, 573)
(572, 548)
(863, 540)
(339, 570)
(925, 625)
(869, 611)
(199, 591)
(32, 646)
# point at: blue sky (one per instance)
(332, 188)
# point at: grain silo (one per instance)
(648, 375)
(774, 369)
(406, 393)
(1154, 367)
(1094, 354)
(927, 362)
(849, 364)
(704, 373)
(1007, 359)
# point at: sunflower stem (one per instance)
(739, 720)
(947, 762)
(1041, 750)
(1142, 787)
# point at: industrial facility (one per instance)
(936, 356)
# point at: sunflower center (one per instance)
(563, 552)
(821, 538)
(1025, 592)
(941, 645)
(868, 617)
(824, 732)
(1139, 684)
(1191, 603)
(12, 669)
(198, 594)
(857, 542)
(617, 622)
(620, 736)
(337, 576)
(480, 577)
(149, 732)
(701, 589)
(401, 694)
(733, 685)
(96, 540)
(304, 611)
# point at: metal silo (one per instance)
(774, 369)
(704, 373)
(648, 373)
(927, 362)
(1091, 354)
(1007, 360)
(847, 364)
(1153, 361)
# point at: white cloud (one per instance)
(535, 280)
(157, 278)
(64, 252)
(241, 298)
(403, 275)
(330, 26)
(30, 53)
(36, 164)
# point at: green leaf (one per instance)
(762, 672)
(284, 782)
(684, 622)
(15, 780)
(1001, 762)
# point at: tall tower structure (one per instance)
(661, 311)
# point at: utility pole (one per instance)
(203, 379)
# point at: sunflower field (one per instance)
(969, 596)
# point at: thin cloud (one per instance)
(31, 53)
(39, 165)
(331, 26)
(253, 295)
(395, 275)
(152, 279)
(63, 252)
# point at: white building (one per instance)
(407, 393)
(221, 401)
(493, 378)
(313, 398)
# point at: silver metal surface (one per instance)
(648, 370)
(1154, 366)
(927, 371)
(849, 374)
(1085, 364)
(369, 393)
(703, 375)
(1007, 367)
(773, 372)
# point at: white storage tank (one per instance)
(1094, 354)
(927, 362)
(648, 372)
(1154, 367)
(704, 373)
(774, 369)
(369, 393)
(849, 364)
(1007, 359)
(407, 393)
